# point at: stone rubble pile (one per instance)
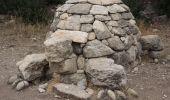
(89, 43)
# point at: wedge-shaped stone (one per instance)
(76, 1)
(87, 19)
(32, 66)
(96, 48)
(75, 36)
(80, 9)
(110, 2)
(116, 8)
(116, 44)
(73, 92)
(103, 72)
(101, 30)
(99, 10)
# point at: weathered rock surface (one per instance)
(73, 92)
(68, 66)
(80, 9)
(87, 19)
(116, 9)
(76, 1)
(101, 30)
(86, 27)
(32, 66)
(99, 10)
(57, 49)
(81, 62)
(103, 72)
(151, 42)
(96, 48)
(116, 44)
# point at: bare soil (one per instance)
(151, 81)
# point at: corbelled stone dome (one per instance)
(98, 28)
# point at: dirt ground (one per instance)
(151, 81)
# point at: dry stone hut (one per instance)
(89, 43)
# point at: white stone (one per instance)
(87, 19)
(116, 9)
(97, 2)
(76, 1)
(98, 10)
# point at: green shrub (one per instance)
(31, 11)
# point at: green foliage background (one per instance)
(36, 11)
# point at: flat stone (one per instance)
(132, 52)
(97, 2)
(118, 31)
(116, 16)
(86, 27)
(116, 44)
(32, 66)
(76, 1)
(80, 9)
(102, 18)
(87, 19)
(129, 41)
(125, 6)
(75, 36)
(98, 10)
(64, 16)
(72, 23)
(151, 42)
(131, 29)
(64, 7)
(68, 66)
(123, 23)
(103, 72)
(101, 30)
(112, 23)
(96, 49)
(57, 49)
(73, 92)
(116, 9)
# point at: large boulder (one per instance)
(73, 92)
(32, 66)
(104, 72)
(151, 42)
(96, 48)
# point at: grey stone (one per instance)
(116, 44)
(100, 95)
(96, 49)
(73, 92)
(167, 58)
(97, 2)
(91, 36)
(32, 66)
(98, 10)
(125, 7)
(57, 49)
(75, 79)
(151, 42)
(101, 30)
(127, 16)
(132, 29)
(129, 41)
(116, 16)
(132, 52)
(103, 72)
(121, 58)
(53, 26)
(64, 7)
(64, 16)
(118, 31)
(113, 23)
(121, 95)
(72, 23)
(21, 85)
(86, 27)
(76, 1)
(116, 9)
(14, 84)
(102, 18)
(68, 66)
(81, 62)
(105, 42)
(87, 19)
(123, 23)
(155, 54)
(80, 9)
